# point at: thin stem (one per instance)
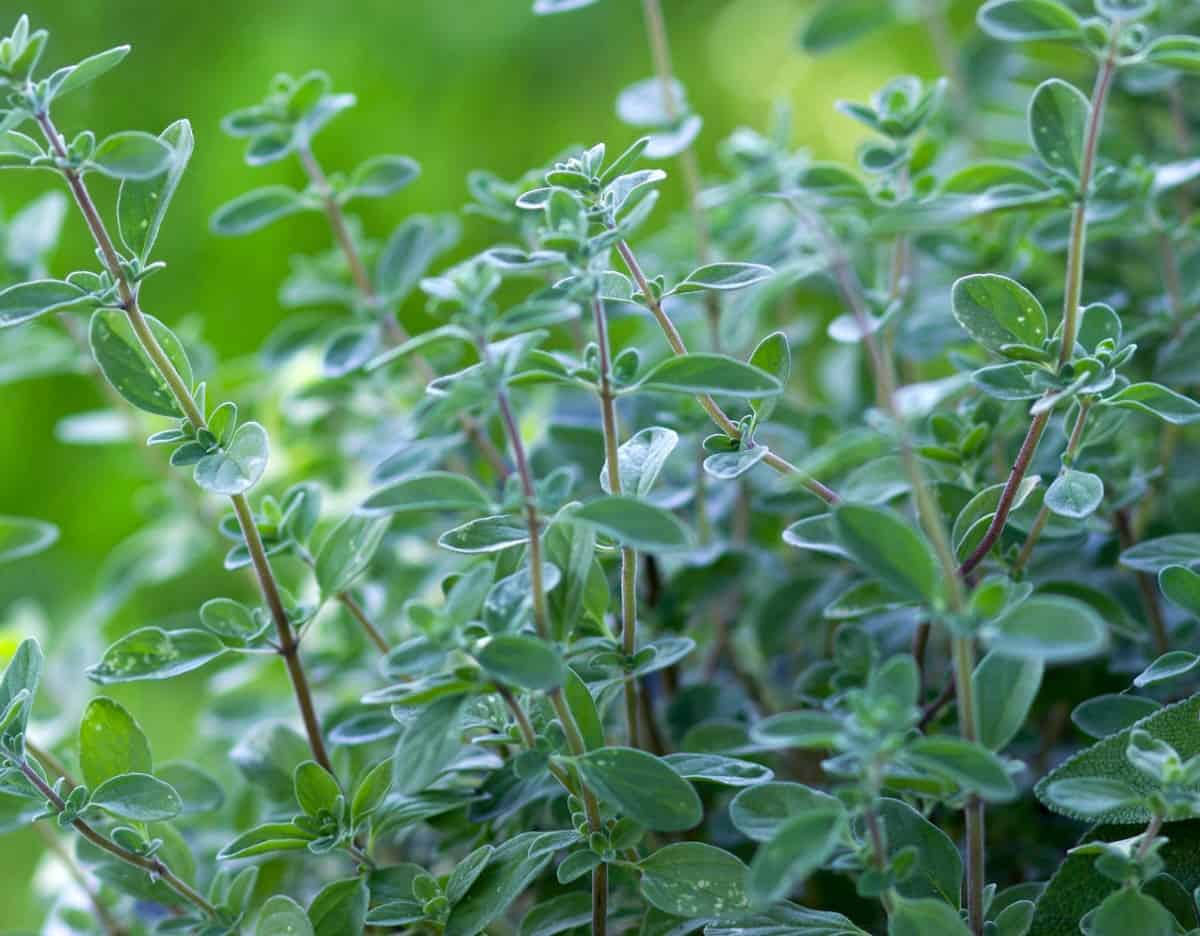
(660, 49)
(1072, 293)
(131, 306)
(153, 866)
(726, 425)
(1147, 587)
(393, 332)
(110, 923)
(50, 763)
(357, 612)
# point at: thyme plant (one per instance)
(817, 562)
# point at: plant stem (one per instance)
(357, 612)
(1072, 293)
(153, 866)
(660, 50)
(724, 423)
(608, 412)
(131, 306)
(1147, 586)
(103, 914)
(393, 332)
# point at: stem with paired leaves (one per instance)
(1072, 292)
(288, 647)
(153, 866)
(718, 416)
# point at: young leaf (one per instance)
(723, 276)
(154, 653)
(643, 787)
(87, 71)
(513, 867)
(266, 839)
(431, 491)
(381, 176)
(1051, 628)
(1103, 715)
(282, 916)
(137, 796)
(1170, 665)
(316, 789)
(26, 301)
(21, 537)
(889, 548)
(487, 534)
(1074, 494)
(428, 745)
(640, 460)
(239, 466)
(1157, 400)
(997, 311)
(129, 368)
(762, 811)
(340, 908)
(558, 914)
(691, 879)
(19, 687)
(635, 523)
(348, 550)
(111, 743)
(1130, 911)
(797, 849)
(1005, 689)
(524, 661)
(131, 155)
(256, 209)
(708, 373)
(1024, 20)
(924, 917)
(1180, 585)
(142, 203)
(971, 766)
(714, 768)
(1058, 117)
(773, 356)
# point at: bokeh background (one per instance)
(458, 85)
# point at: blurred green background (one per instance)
(457, 84)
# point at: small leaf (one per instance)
(348, 550)
(1051, 628)
(1005, 689)
(640, 460)
(198, 790)
(1058, 117)
(1179, 52)
(891, 549)
(797, 729)
(512, 868)
(487, 534)
(773, 356)
(131, 155)
(1170, 665)
(431, 491)
(708, 373)
(838, 22)
(91, 68)
(380, 176)
(724, 276)
(1159, 401)
(524, 661)
(111, 743)
(142, 204)
(714, 768)
(340, 908)
(924, 917)
(137, 796)
(265, 839)
(1074, 494)
(1181, 586)
(643, 787)
(971, 766)
(997, 311)
(129, 368)
(691, 879)
(760, 812)
(797, 849)
(634, 523)
(256, 209)
(467, 872)
(315, 788)
(237, 468)
(26, 301)
(428, 745)
(1130, 911)
(1154, 555)
(558, 914)
(154, 653)
(1103, 715)
(371, 792)
(1022, 20)
(1090, 796)
(282, 916)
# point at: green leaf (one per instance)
(715, 768)
(239, 466)
(522, 660)
(406, 257)
(1174, 724)
(429, 743)
(997, 311)
(315, 788)
(142, 204)
(1181, 586)
(773, 356)
(557, 915)
(154, 653)
(348, 550)
(797, 729)
(1051, 628)
(972, 767)
(229, 619)
(87, 71)
(800, 847)
(729, 465)
(282, 916)
(111, 743)
(20, 682)
(137, 796)
(381, 176)
(198, 790)
(691, 879)
(265, 839)
(1130, 911)
(642, 787)
(340, 908)
(891, 549)
(634, 523)
(513, 867)
(708, 373)
(761, 811)
(1159, 401)
(939, 868)
(129, 368)
(1179, 52)
(1090, 796)
(1154, 555)
(255, 210)
(640, 459)
(487, 534)
(21, 537)
(371, 792)
(1074, 494)
(924, 917)
(1170, 665)
(26, 301)
(837, 22)
(723, 276)
(131, 154)
(431, 491)
(1022, 20)
(1005, 689)
(1103, 715)
(1058, 117)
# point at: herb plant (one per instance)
(614, 596)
